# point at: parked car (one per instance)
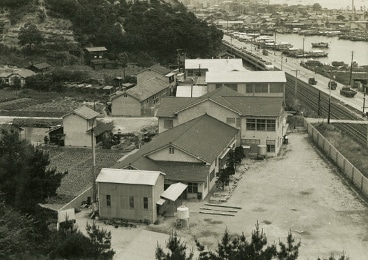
(312, 81)
(347, 91)
(332, 85)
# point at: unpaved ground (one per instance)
(297, 191)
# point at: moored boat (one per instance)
(320, 44)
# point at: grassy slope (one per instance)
(353, 151)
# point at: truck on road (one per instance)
(347, 91)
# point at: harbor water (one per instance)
(339, 50)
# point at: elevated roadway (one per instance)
(292, 67)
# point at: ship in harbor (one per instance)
(320, 44)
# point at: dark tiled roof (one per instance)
(169, 105)
(102, 128)
(257, 106)
(184, 172)
(146, 89)
(203, 137)
(159, 69)
(42, 65)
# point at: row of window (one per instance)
(257, 124)
(255, 87)
(131, 202)
(271, 144)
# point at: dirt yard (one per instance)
(298, 191)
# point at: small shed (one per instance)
(40, 67)
(129, 194)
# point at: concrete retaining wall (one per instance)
(348, 169)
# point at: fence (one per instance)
(76, 202)
(348, 169)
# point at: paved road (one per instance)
(293, 64)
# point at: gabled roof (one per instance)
(215, 64)
(257, 106)
(216, 96)
(146, 89)
(169, 105)
(160, 69)
(92, 49)
(84, 112)
(122, 176)
(203, 138)
(40, 66)
(101, 128)
(25, 73)
(246, 76)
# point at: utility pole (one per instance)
(303, 48)
(93, 167)
(274, 45)
(296, 82)
(351, 71)
(329, 100)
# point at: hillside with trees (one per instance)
(143, 33)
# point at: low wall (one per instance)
(347, 168)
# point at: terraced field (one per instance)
(78, 163)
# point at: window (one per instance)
(276, 88)
(230, 120)
(108, 200)
(251, 124)
(168, 123)
(249, 88)
(271, 125)
(261, 88)
(145, 202)
(233, 86)
(131, 202)
(171, 150)
(250, 141)
(192, 187)
(271, 148)
(218, 85)
(238, 122)
(261, 124)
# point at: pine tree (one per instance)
(177, 250)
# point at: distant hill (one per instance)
(145, 31)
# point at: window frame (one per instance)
(108, 200)
(131, 202)
(192, 187)
(145, 202)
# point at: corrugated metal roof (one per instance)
(245, 77)
(215, 64)
(108, 175)
(174, 191)
(160, 69)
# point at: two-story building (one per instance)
(157, 71)
(249, 83)
(95, 57)
(81, 125)
(140, 100)
(260, 119)
(190, 153)
(198, 68)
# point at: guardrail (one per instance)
(346, 167)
